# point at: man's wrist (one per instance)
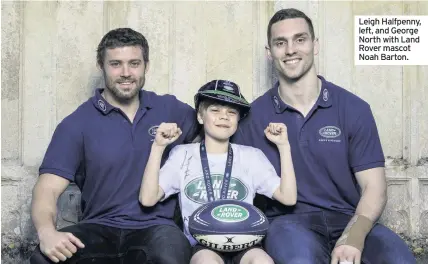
(45, 229)
(356, 232)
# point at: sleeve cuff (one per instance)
(273, 187)
(372, 165)
(167, 189)
(57, 172)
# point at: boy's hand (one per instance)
(277, 133)
(167, 133)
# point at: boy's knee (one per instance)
(261, 260)
(206, 257)
(256, 256)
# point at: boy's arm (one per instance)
(150, 191)
(286, 193)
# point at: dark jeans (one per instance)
(309, 239)
(161, 244)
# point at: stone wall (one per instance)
(49, 68)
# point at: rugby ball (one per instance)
(228, 225)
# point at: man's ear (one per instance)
(316, 46)
(147, 67)
(268, 53)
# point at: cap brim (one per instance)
(225, 97)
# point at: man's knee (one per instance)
(294, 243)
(382, 245)
(170, 246)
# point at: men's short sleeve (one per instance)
(240, 137)
(64, 154)
(187, 121)
(169, 174)
(265, 178)
(365, 150)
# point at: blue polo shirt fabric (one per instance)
(336, 139)
(105, 154)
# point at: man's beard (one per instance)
(119, 95)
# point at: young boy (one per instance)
(219, 106)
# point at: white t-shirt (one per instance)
(252, 173)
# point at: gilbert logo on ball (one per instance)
(230, 213)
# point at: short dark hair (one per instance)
(288, 14)
(207, 102)
(122, 37)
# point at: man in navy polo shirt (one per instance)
(337, 156)
(103, 147)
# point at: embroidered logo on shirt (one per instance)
(325, 95)
(152, 131)
(329, 133)
(276, 101)
(102, 105)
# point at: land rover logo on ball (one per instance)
(230, 213)
(330, 132)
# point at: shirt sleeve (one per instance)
(243, 134)
(64, 154)
(170, 173)
(365, 149)
(187, 121)
(264, 176)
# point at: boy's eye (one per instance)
(214, 109)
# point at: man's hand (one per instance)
(58, 246)
(345, 254)
(166, 134)
(277, 133)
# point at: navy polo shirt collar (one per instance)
(324, 99)
(104, 107)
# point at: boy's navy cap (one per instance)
(223, 91)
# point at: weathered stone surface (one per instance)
(49, 52)
(11, 64)
(18, 233)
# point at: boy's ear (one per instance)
(200, 120)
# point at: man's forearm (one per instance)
(43, 212)
(372, 203)
(369, 209)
